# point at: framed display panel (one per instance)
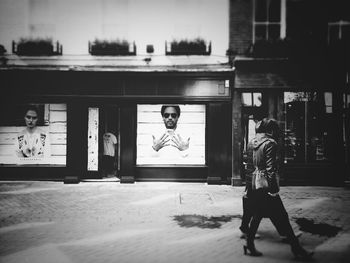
(189, 131)
(33, 134)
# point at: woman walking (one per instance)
(263, 193)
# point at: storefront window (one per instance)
(33, 134)
(171, 134)
(307, 126)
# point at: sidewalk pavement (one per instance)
(105, 221)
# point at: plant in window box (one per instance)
(197, 46)
(117, 47)
(36, 47)
(2, 50)
(3, 59)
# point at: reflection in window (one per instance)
(307, 128)
(251, 99)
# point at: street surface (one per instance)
(105, 221)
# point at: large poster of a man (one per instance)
(173, 141)
(171, 134)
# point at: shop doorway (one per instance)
(109, 142)
(103, 141)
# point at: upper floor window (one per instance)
(269, 20)
(339, 30)
(338, 22)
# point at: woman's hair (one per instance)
(176, 107)
(31, 108)
(267, 125)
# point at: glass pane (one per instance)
(333, 33)
(328, 98)
(329, 109)
(260, 32)
(294, 130)
(260, 11)
(274, 32)
(247, 99)
(257, 99)
(93, 123)
(346, 32)
(274, 10)
(308, 127)
(317, 131)
(251, 129)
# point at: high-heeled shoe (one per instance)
(302, 254)
(252, 251)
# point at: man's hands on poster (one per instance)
(177, 142)
(161, 142)
(180, 143)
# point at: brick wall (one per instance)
(240, 27)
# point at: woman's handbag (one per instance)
(259, 180)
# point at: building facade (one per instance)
(280, 62)
(294, 67)
(80, 103)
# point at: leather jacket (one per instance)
(262, 156)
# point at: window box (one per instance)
(112, 48)
(197, 46)
(2, 50)
(36, 47)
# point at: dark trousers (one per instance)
(272, 207)
(107, 164)
(247, 214)
(248, 211)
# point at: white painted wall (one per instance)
(75, 22)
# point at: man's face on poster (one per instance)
(31, 118)
(170, 118)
